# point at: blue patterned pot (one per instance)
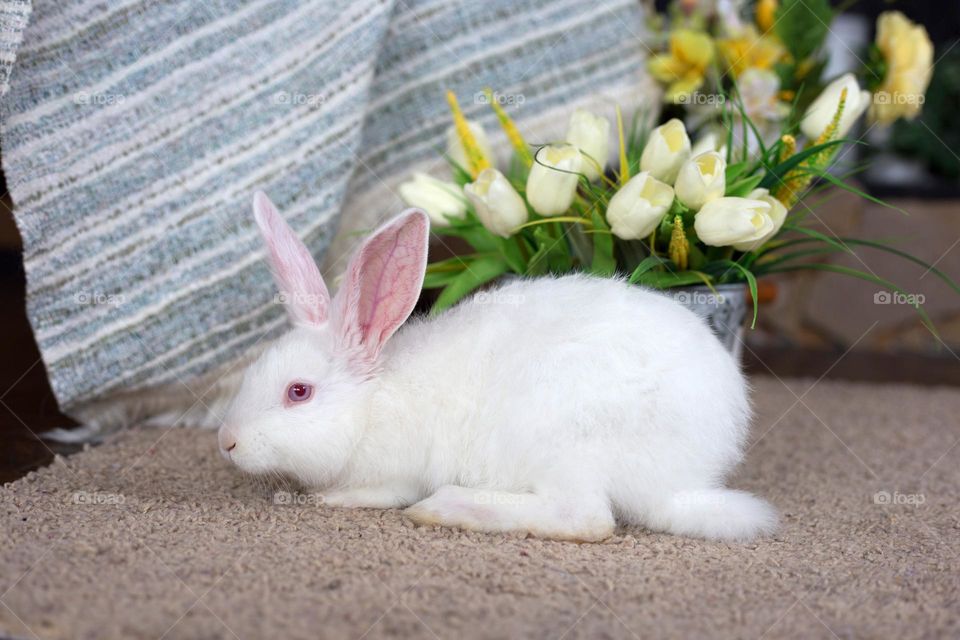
(724, 309)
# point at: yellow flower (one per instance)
(684, 67)
(908, 53)
(679, 248)
(766, 12)
(476, 159)
(750, 50)
(510, 128)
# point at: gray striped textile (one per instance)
(134, 133)
(14, 15)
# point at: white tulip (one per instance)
(728, 221)
(553, 179)
(777, 213)
(590, 134)
(639, 206)
(709, 141)
(667, 148)
(821, 111)
(437, 197)
(498, 205)
(702, 178)
(455, 147)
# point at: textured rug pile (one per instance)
(152, 535)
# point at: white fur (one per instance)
(552, 406)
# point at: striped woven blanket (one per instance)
(135, 131)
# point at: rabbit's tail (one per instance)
(718, 514)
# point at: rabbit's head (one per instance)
(300, 408)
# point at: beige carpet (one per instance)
(153, 535)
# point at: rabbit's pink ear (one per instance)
(382, 284)
(301, 286)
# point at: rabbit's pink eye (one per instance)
(299, 392)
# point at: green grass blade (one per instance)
(645, 265)
(478, 273)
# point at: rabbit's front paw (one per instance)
(452, 506)
(370, 498)
(482, 510)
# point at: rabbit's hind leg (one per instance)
(714, 514)
(581, 516)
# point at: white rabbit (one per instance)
(548, 406)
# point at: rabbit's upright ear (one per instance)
(382, 284)
(301, 286)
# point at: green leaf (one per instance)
(744, 186)
(734, 170)
(776, 174)
(822, 237)
(776, 260)
(440, 279)
(670, 279)
(603, 263)
(802, 25)
(747, 122)
(880, 246)
(848, 187)
(551, 254)
(478, 273)
(510, 249)
(645, 265)
(471, 231)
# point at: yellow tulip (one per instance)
(750, 50)
(908, 53)
(684, 67)
(766, 13)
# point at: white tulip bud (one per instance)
(667, 148)
(590, 134)
(709, 141)
(728, 221)
(498, 205)
(777, 213)
(639, 206)
(553, 179)
(821, 111)
(437, 197)
(701, 179)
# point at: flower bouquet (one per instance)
(774, 59)
(670, 212)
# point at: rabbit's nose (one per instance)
(227, 442)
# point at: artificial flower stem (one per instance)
(533, 223)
